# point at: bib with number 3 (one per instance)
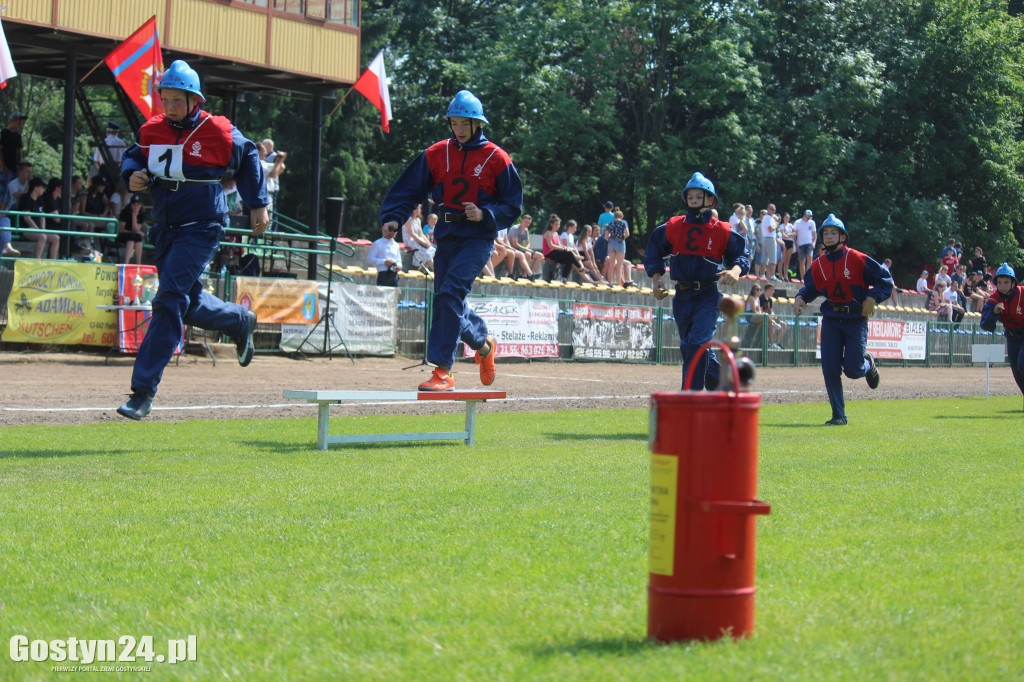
(165, 160)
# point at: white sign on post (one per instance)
(988, 353)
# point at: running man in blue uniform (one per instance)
(477, 191)
(852, 284)
(1006, 305)
(703, 251)
(182, 156)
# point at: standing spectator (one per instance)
(607, 216)
(474, 182)
(386, 256)
(768, 259)
(776, 327)
(272, 171)
(11, 150)
(949, 262)
(787, 233)
(852, 283)
(189, 212)
(414, 239)
(750, 221)
(601, 252)
(979, 262)
(115, 147)
(949, 249)
(703, 251)
(519, 239)
(132, 229)
(806, 235)
(618, 233)
(31, 202)
(1006, 305)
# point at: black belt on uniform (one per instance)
(454, 217)
(175, 185)
(695, 286)
(854, 308)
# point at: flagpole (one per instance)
(90, 71)
(340, 101)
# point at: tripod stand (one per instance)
(327, 319)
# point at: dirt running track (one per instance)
(51, 388)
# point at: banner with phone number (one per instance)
(521, 328)
(892, 340)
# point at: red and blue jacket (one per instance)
(697, 251)
(197, 152)
(845, 277)
(450, 173)
(1012, 316)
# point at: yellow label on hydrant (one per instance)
(664, 479)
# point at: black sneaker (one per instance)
(243, 343)
(836, 421)
(137, 407)
(872, 376)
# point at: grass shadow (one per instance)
(597, 436)
(608, 646)
(18, 454)
(342, 448)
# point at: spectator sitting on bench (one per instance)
(5, 235)
(132, 222)
(31, 202)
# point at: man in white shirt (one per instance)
(386, 256)
(768, 256)
(806, 235)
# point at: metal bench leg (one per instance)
(323, 414)
(470, 420)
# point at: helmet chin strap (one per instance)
(702, 214)
(835, 247)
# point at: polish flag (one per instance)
(373, 84)
(6, 63)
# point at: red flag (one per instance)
(373, 84)
(137, 65)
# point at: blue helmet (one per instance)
(181, 76)
(833, 221)
(466, 105)
(1006, 271)
(698, 181)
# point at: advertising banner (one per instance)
(524, 328)
(612, 332)
(55, 302)
(363, 319)
(279, 301)
(892, 340)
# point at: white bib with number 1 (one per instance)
(165, 161)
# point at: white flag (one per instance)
(7, 69)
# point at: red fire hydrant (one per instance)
(703, 488)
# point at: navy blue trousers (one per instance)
(696, 314)
(181, 255)
(843, 344)
(1015, 354)
(457, 263)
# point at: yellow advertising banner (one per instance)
(55, 302)
(283, 301)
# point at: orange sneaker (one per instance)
(438, 381)
(486, 362)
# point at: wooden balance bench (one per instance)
(324, 399)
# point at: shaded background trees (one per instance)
(902, 117)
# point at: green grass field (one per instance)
(893, 550)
